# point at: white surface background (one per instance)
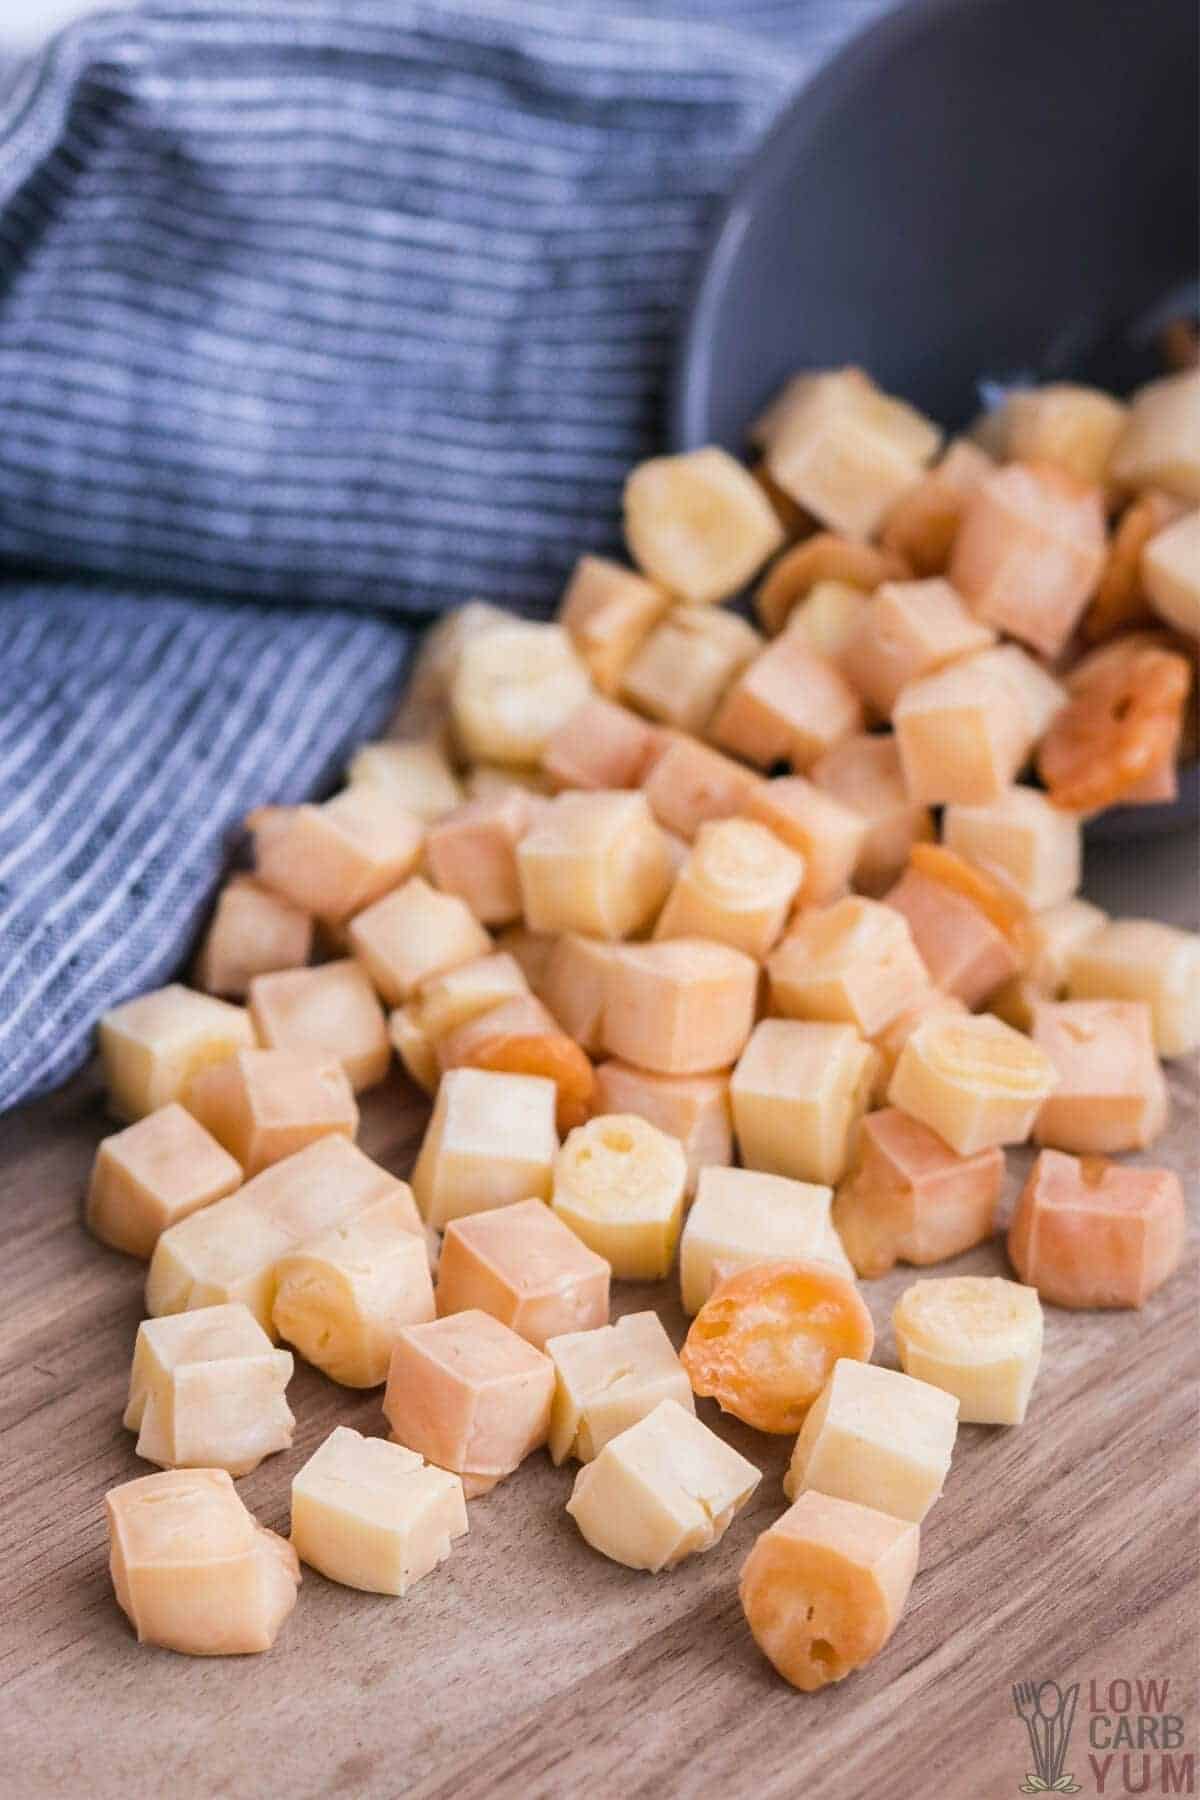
(24, 23)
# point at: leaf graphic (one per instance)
(1066, 1784)
(1033, 1784)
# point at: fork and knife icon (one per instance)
(1048, 1714)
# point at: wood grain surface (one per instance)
(530, 1666)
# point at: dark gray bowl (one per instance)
(972, 189)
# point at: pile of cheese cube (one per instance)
(657, 908)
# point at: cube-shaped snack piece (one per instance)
(1171, 573)
(373, 1515)
(978, 1337)
(601, 745)
(699, 524)
(853, 961)
(521, 1037)
(922, 525)
(736, 887)
(424, 706)
(523, 1265)
(824, 1587)
(207, 1391)
(827, 618)
(608, 1379)
(788, 705)
(331, 1010)
(909, 629)
(454, 996)
(267, 1104)
(154, 1173)
(798, 1093)
(1055, 934)
(412, 934)
(819, 562)
(975, 1081)
(490, 1140)
(910, 1198)
(619, 1184)
(962, 733)
(1037, 694)
(336, 858)
(1160, 446)
(152, 1046)
(686, 664)
(663, 1489)
(1090, 1233)
(416, 773)
(608, 610)
(845, 450)
(826, 833)
(573, 986)
(889, 1042)
(594, 863)
(877, 1437)
(472, 852)
(966, 954)
(192, 1569)
(692, 1108)
(1024, 841)
(1111, 1094)
(414, 1047)
(1141, 959)
(741, 1216)
(469, 1395)
(252, 932)
(512, 688)
(688, 784)
(1073, 427)
(342, 1296)
(864, 773)
(682, 1007)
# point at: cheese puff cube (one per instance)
(334, 859)
(267, 1104)
(908, 629)
(373, 1515)
(607, 611)
(741, 1216)
(472, 852)
(1111, 1094)
(876, 1437)
(193, 1570)
(594, 863)
(414, 1047)
(490, 1140)
(826, 833)
(824, 1587)
(600, 746)
(253, 932)
(328, 1011)
(416, 774)
(975, 1081)
(910, 1198)
(1075, 428)
(1093, 1234)
(1141, 959)
(736, 887)
(978, 1337)
(682, 1007)
(662, 1490)
(1024, 841)
(686, 664)
(962, 733)
(889, 1042)
(922, 525)
(608, 1379)
(412, 934)
(828, 618)
(789, 705)
(469, 1395)
(574, 984)
(1171, 573)
(692, 1108)
(454, 996)
(207, 1391)
(618, 1184)
(699, 524)
(1038, 696)
(853, 961)
(154, 1173)
(864, 773)
(512, 689)
(689, 785)
(1160, 446)
(965, 953)
(525, 1267)
(1055, 934)
(152, 1046)
(798, 1093)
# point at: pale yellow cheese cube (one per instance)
(682, 1007)
(207, 1390)
(512, 688)
(490, 1140)
(699, 524)
(692, 1108)
(1038, 695)
(153, 1174)
(962, 734)
(878, 1437)
(789, 705)
(853, 961)
(687, 662)
(1074, 427)
(1055, 934)
(608, 610)
(608, 1379)
(252, 932)
(736, 887)
(414, 1047)
(424, 708)
(152, 1046)
(863, 773)
(828, 618)
(416, 773)
(977, 1337)
(827, 834)
(798, 1093)
(974, 1080)
(334, 859)
(573, 986)
(456, 995)
(594, 863)
(1023, 840)
(619, 1183)
(688, 784)
(665, 1489)
(1141, 959)
(331, 1010)
(412, 934)
(891, 1040)
(373, 1515)
(1160, 445)
(1171, 573)
(267, 1104)
(742, 1216)
(909, 629)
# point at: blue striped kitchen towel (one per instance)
(314, 318)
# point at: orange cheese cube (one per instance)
(686, 664)
(852, 961)
(922, 525)
(490, 1140)
(1090, 1233)
(1111, 1094)
(151, 1047)
(864, 773)
(154, 1173)
(333, 860)
(267, 1104)
(683, 1007)
(736, 887)
(527, 1269)
(699, 524)
(600, 745)
(911, 1198)
(607, 611)
(253, 932)
(692, 1108)
(594, 863)
(688, 785)
(472, 852)
(908, 629)
(827, 834)
(965, 954)
(788, 705)
(1024, 841)
(412, 934)
(1160, 446)
(331, 1010)
(798, 1093)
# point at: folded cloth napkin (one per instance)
(315, 318)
